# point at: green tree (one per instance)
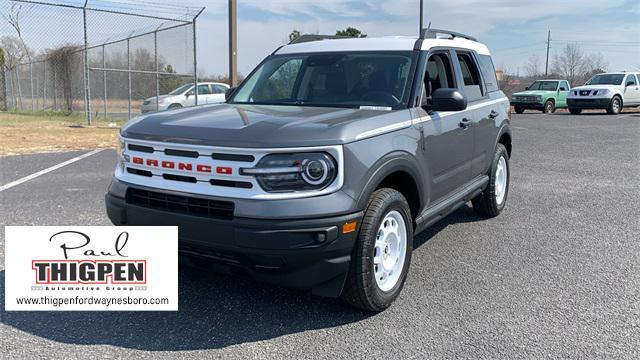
(294, 35)
(168, 82)
(351, 32)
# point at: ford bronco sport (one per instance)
(320, 169)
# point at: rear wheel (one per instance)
(519, 109)
(549, 107)
(575, 111)
(615, 106)
(494, 197)
(382, 253)
(174, 106)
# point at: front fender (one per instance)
(397, 161)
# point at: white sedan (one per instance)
(208, 93)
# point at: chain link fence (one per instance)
(97, 58)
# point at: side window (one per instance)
(470, 76)
(631, 79)
(204, 90)
(219, 89)
(564, 86)
(488, 73)
(439, 74)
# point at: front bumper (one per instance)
(597, 103)
(528, 105)
(311, 253)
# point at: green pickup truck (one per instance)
(545, 95)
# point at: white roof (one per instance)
(398, 43)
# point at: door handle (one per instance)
(465, 123)
(494, 114)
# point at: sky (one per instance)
(514, 30)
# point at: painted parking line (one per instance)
(48, 170)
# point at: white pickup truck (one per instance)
(610, 91)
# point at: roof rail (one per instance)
(433, 34)
(315, 37)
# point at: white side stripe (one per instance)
(47, 170)
(404, 124)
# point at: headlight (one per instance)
(294, 172)
(601, 92)
(121, 157)
(539, 98)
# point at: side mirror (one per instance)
(190, 93)
(448, 100)
(229, 92)
(630, 83)
(526, 88)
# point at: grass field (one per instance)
(22, 133)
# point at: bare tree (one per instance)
(3, 86)
(569, 63)
(12, 17)
(63, 61)
(533, 65)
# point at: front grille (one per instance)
(585, 92)
(180, 204)
(146, 102)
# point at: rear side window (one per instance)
(470, 76)
(488, 73)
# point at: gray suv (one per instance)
(320, 169)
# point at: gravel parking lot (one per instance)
(557, 275)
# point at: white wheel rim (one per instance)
(616, 105)
(501, 180)
(389, 251)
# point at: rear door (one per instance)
(447, 136)
(488, 103)
(217, 94)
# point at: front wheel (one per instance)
(382, 253)
(549, 107)
(575, 111)
(519, 109)
(615, 106)
(494, 197)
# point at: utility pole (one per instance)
(421, 16)
(233, 43)
(546, 67)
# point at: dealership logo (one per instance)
(91, 268)
(116, 271)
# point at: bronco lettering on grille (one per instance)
(171, 165)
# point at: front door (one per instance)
(448, 136)
(631, 90)
(563, 91)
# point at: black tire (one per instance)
(575, 111)
(486, 204)
(519, 109)
(175, 106)
(361, 289)
(549, 107)
(615, 106)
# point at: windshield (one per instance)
(544, 85)
(181, 89)
(606, 79)
(332, 79)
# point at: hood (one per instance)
(595, 87)
(534, 92)
(160, 98)
(259, 126)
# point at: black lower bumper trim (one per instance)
(303, 253)
(588, 103)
